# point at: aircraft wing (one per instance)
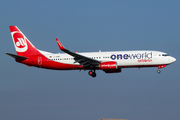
(83, 60)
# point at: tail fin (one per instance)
(22, 45)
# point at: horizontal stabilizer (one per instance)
(16, 56)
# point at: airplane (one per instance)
(109, 62)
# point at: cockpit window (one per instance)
(165, 55)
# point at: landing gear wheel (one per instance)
(91, 73)
(158, 71)
(94, 74)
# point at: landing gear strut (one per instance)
(92, 73)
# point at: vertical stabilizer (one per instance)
(22, 45)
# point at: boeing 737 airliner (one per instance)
(109, 62)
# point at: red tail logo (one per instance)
(22, 45)
(19, 41)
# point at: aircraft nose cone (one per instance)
(173, 59)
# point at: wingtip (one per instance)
(60, 44)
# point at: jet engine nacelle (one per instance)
(108, 65)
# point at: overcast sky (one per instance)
(29, 93)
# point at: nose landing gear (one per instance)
(92, 73)
(161, 66)
(158, 71)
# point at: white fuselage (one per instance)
(123, 58)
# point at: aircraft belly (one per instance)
(137, 63)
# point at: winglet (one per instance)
(60, 45)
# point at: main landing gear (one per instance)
(92, 73)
